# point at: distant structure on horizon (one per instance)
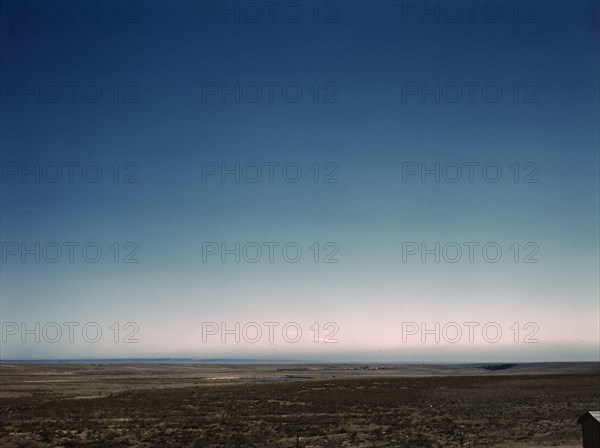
(590, 425)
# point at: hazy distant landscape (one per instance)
(292, 405)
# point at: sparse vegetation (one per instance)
(405, 412)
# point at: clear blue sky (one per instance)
(157, 70)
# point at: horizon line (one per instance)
(167, 360)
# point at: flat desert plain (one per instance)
(104, 404)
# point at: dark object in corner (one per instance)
(590, 426)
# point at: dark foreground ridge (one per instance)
(499, 366)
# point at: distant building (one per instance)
(590, 425)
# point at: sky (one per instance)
(340, 181)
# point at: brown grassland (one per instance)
(209, 406)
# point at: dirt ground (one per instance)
(209, 406)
